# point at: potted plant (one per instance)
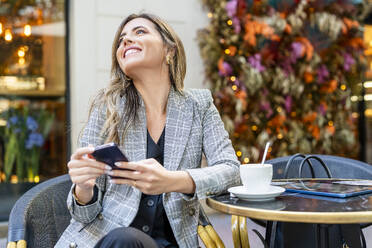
(24, 135)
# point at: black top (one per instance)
(151, 217)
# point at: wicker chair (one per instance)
(40, 216)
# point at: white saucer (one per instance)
(270, 194)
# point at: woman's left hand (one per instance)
(147, 175)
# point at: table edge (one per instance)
(292, 216)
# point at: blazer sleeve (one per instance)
(90, 136)
(223, 166)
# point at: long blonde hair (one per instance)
(121, 85)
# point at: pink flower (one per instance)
(226, 69)
(255, 62)
(288, 104)
(323, 74)
(348, 61)
(231, 8)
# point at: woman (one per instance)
(163, 130)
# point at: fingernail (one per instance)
(110, 172)
(112, 181)
(118, 164)
(107, 167)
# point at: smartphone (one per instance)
(109, 154)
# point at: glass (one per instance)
(33, 143)
(367, 86)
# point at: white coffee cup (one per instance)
(256, 178)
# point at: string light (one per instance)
(330, 123)
(279, 109)
(254, 128)
(280, 136)
(1, 28)
(233, 78)
(21, 52)
(246, 160)
(36, 179)
(210, 15)
(21, 61)
(343, 87)
(27, 30)
(227, 51)
(8, 35)
(238, 153)
(229, 22)
(234, 87)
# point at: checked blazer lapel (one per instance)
(177, 129)
(134, 144)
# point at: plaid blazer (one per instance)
(193, 127)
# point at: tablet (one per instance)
(326, 188)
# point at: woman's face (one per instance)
(140, 47)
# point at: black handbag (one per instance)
(305, 235)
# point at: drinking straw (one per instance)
(265, 152)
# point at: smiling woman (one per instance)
(153, 200)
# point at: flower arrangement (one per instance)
(285, 71)
(24, 136)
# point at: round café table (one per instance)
(294, 207)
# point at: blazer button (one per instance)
(192, 211)
(150, 203)
(100, 216)
(145, 228)
(72, 245)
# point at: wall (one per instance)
(92, 27)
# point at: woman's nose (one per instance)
(127, 41)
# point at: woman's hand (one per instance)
(152, 178)
(83, 171)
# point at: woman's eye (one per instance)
(140, 31)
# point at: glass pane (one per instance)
(32, 90)
(368, 91)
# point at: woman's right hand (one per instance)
(83, 170)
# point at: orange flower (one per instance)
(277, 121)
(253, 28)
(232, 50)
(250, 35)
(308, 76)
(331, 129)
(350, 23)
(241, 128)
(288, 29)
(275, 37)
(283, 15)
(330, 87)
(310, 117)
(315, 132)
(356, 43)
(268, 130)
(242, 96)
(309, 49)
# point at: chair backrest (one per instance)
(340, 167)
(40, 216)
